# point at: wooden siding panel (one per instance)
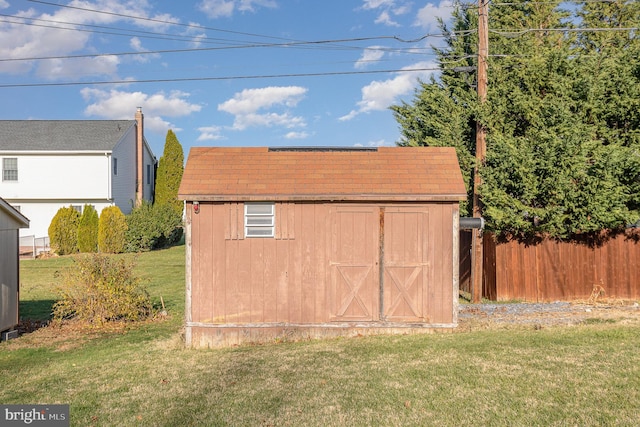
(440, 290)
(198, 253)
(205, 244)
(256, 264)
(216, 258)
(305, 248)
(321, 223)
(243, 281)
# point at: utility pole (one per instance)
(481, 149)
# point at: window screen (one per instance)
(259, 219)
(10, 169)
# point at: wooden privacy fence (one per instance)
(556, 271)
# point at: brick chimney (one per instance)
(139, 155)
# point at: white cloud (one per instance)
(58, 69)
(428, 16)
(18, 41)
(380, 95)
(385, 18)
(3, 4)
(375, 4)
(210, 133)
(136, 44)
(115, 104)
(388, 10)
(245, 106)
(378, 143)
(225, 8)
(370, 54)
(297, 135)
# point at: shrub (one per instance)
(152, 227)
(88, 230)
(111, 230)
(99, 289)
(63, 231)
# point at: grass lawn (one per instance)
(586, 375)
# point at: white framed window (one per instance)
(77, 208)
(10, 169)
(259, 219)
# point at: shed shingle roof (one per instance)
(62, 135)
(393, 174)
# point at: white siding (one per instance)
(80, 176)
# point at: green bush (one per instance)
(98, 289)
(88, 230)
(63, 231)
(111, 230)
(152, 227)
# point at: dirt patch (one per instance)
(540, 315)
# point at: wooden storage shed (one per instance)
(297, 243)
(10, 222)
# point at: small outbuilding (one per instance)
(291, 243)
(10, 222)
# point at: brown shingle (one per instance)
(393, 174)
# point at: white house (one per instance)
(10, 221)
(48, 164)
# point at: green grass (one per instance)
(587, 375)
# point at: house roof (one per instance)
(389, 174)
(13, 213)
(62, 135)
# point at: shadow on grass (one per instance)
(39, 310)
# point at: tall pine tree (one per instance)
(561, 113)
(169, 175)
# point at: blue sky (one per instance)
(220, 72)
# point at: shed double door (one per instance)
(378, 263)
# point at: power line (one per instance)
(195, 79)
(204, 49)
(549, 2)
(516, 33)
(199, 27)
(159, 21)
(229, 45)
(177, 37)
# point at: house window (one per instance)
(148, 174)
(115, 166)
(78, 208)
(10, 169)
(259, 220)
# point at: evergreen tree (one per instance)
(63, 231)
(169, 175)
(112, 227)
(561, 113)
(88, 230)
